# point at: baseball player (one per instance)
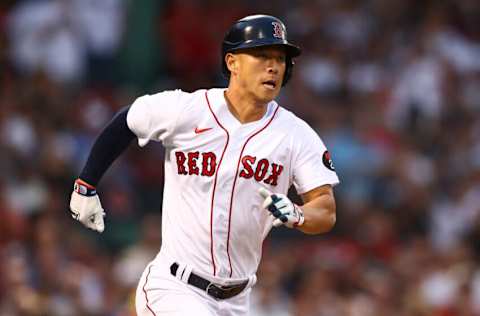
(231, 156)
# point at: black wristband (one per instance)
(84, 189)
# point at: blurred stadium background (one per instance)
(392, 87)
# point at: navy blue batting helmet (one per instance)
(257, 31)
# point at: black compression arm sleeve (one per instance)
(111, 142)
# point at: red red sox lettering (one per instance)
(190, 164)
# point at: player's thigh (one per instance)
(161, 295)
(236, 306)
(163, 302)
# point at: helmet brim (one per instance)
(291, 49)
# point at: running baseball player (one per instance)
(231, 156)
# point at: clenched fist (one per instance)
(85, 206)
(285, 211)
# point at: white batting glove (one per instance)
(85, 206)
(285, 211)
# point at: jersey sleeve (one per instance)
(312, 165)
(153, 117)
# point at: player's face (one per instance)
(260, 71)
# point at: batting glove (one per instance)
(285, 211)
(85, 206)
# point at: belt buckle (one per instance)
(214, 291)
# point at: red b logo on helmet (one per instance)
(278, 30)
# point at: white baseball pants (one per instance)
(159, 293)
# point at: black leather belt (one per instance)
(217, 291)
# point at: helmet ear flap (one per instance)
(288, 70)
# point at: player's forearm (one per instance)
(111, 142)
(320, 215)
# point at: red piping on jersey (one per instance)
(235, 181)
(215, 183)
(144, 291)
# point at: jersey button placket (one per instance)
(222, 206)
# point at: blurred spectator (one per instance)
(43, 38)
(132, 262)
(194, 49)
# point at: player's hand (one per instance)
(285, 211)
(85, 206)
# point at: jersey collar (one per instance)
(218, 104)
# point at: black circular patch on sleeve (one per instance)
(327, 161)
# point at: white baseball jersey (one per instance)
(214, 166)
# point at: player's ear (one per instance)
(232, 62)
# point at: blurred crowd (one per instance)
(392, 87)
